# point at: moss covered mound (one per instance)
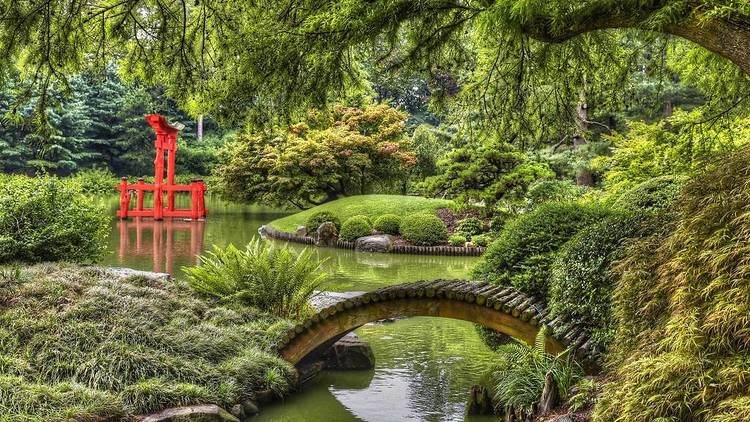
(83, 343)
(371, 206)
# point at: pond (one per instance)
(424, 366)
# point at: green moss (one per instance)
(371, 206)
(355, 227)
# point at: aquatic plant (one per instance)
(273, 279)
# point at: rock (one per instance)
(201, 413)
(563, 418)
(237, 411)
(121, 272)
(250, 408)
(350, 353)
(374, 243)
(301, 231)
(322, 300)
(550, 395)
(328, 234)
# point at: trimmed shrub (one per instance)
(319, 218)
(481, 240)
(651, 195)
(581, 283)
(522, 255)
(469, 227)
(457, 240)
(355, 227)
(424, 229)
(49, 219)
(388, 223)
(545, 191)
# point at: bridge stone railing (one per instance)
(502, 299)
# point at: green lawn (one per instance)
(369, 205)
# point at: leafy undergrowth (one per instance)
(371, 206)
(682, 346)
(77, 343)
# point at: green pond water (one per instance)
(424, 366)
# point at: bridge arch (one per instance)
(501, 308)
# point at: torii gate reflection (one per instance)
(165, 241)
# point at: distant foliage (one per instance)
(424, 229)
(525, 249)
(519, 372)
(430, 145)
(651, 195)
(388, 223)
(275, 280)
(355, 227)
(683, 308)
(553, 191)
(674, 146)
(341, 152)
(319, 218)
(49, 219)
(491, 171)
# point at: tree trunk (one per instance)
(550, 395)
(200, 128)
(584, 176)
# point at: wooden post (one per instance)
(139, 195)
(171, 150)
(124, 198)
(159, 176)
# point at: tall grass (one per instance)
(273, 279)
(79, 344)
(519, 373)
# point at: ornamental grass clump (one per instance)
(49, 219)
(272, 279)
(682, 344)
(388, 224)
(519, 372)
(424, 229)
(355, 227)
(80, 343)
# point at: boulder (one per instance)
(200, 413)
(301, 231)
(350, 353)
(374, 243)
(250, 408)
(328, 234)
(563, 418)
(237, 411)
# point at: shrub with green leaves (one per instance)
(388, 224)
(355, 227)
(122, 346)
(424, 229)
(49, 219)
(273, 279)
(481, 240)
(457, 240)
(96, 181)
(651, 195)
(469, 227)
(319, 218)
(581, 283)
(519, 373)
(523, 253)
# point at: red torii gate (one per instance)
(166, 141)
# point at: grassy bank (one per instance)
(369, 205)
(83, 343)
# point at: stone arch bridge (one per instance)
(501, 308)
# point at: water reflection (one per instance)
(162, 241)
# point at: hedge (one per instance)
(424, 229)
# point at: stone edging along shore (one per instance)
(402, 249)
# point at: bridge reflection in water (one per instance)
(163, 241)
